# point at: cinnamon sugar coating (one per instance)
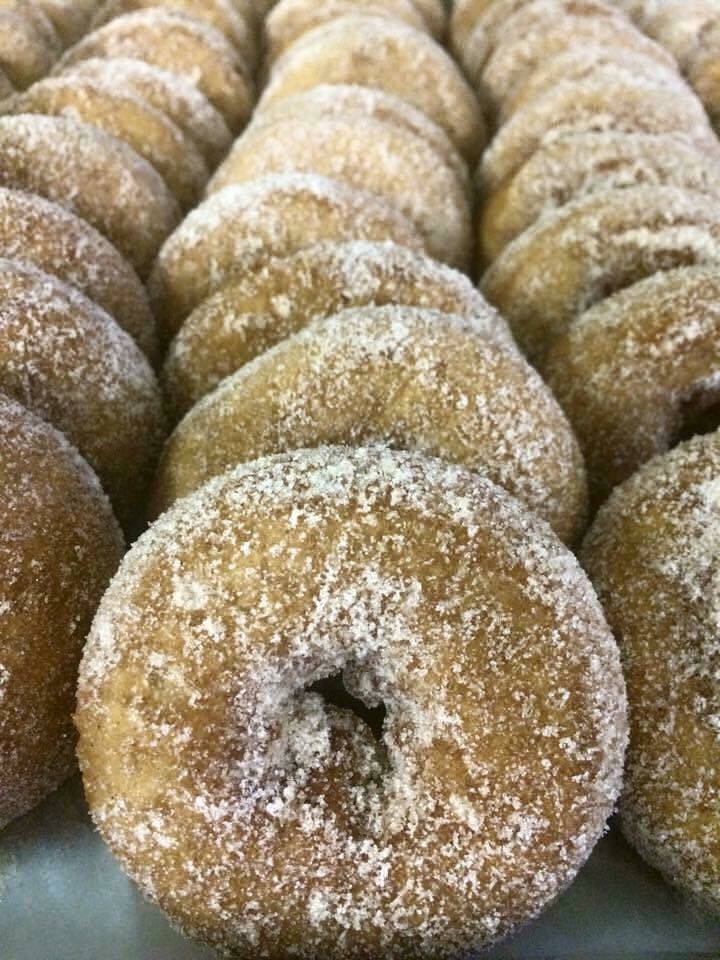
(653, 556)
(59, 546)
(268, 823)
(417, 379)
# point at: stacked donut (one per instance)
(96, 164)
(690, 30)
(306, 577)
(599, 240)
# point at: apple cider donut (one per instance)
(290, 19)
(59, 546)
(128, 118)
(435, 595)
(28, 48)
(415, 378)
(659, 537)
(251, 315)
(95, 176)
(240, 228)
(66, 359)
(223, 15)
(609, 103)
(540, 31)
(369, 154)
(182, 44)
(597, 245)
(568, 166)
(44, 235)
(680, 27)
(639, 370)
(380, 52)
(352, 100)
(172, 93)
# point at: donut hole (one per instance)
(699, 412)
(334, 692)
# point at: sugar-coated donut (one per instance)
(435, 16)
(599, 104)
(639, 369)
(187, 107)
(417, 379)
(290, 19)
(150, 133)
(540, 31)
(174, 41)
(59, 546)
(435, 595)
(95, 176)
(41, 233)
(66, 359)
(251, 315)
(592, 247)
(381, 52)
(240, 228)
(463, 18)
(704, 74)
(70, 18)
(568, 166)
(223, 15)
(26, 51)
(680, 26)
(353, 100)
(370, 154)
(653, 556)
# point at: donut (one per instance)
(176, 42)
(172, 93)
(490, 779)
(463, 18)
(568, 166)
(639, 370)
(223, 15)
(380, 52)
(70, 18)
(251, 315)
(59, 546)
(704, 74)
(680, 27)
(240, 228)
(6, 88)
(93, 175)
(600, 104)
(435, 16)
(26, 51)
(416, 378)
(588, 62)
(658, 537)
(67, 360)
(597, 245)
(352, 100)
(44, 235)
(540, 31)
(290, 19)
(128, 118)
(369, 154)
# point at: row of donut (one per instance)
(600, 225)
(690, 30)
(603, 178)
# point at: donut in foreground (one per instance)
(269, 822)
(59, 546)
(653, 554)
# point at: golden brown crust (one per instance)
(59, 546)
(28, 44)
(435, 594)
(653, 556)
(417, 379)
(66, 359)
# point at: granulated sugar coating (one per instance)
(416, 379)
(653, 555)
(269, 823)
(597, 245)
(240, 228)
(253, 314)
(59, 546)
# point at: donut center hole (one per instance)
(333, 691)
(699, 414)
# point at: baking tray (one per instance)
(62, 897)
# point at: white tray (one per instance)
(62, 897)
